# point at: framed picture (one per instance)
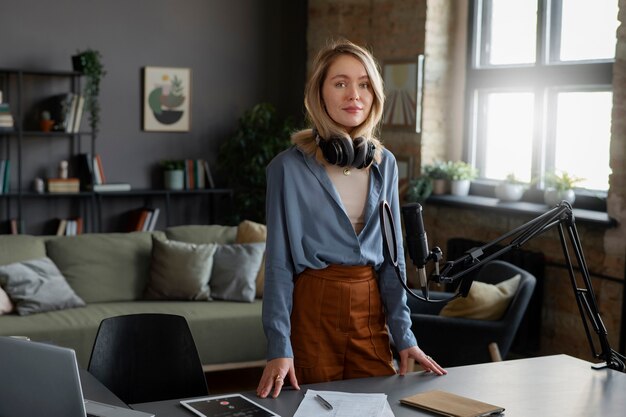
(166, 99)
(403, 89)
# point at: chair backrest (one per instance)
(147, 357)
(455, 341)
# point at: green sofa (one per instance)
(110, 271)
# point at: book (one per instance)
(63, 185)
(453, 405)
(153, 219)
(6, 185)
(99, 170)
(111, 187)
(209, 177)
(78, 113)
(83, 169)
(2, 164)
(230, 405)
(61, 228)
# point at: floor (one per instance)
(236, 380)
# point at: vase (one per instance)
(174, 179)
(460, 187)
(553, 197)
(509, 192)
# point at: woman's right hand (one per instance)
(274, 375)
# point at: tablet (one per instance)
(230, 405)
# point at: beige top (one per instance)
(352, 189)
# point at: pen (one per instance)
(325, 403)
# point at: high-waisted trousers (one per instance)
(338, 328)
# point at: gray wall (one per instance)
(240, 52)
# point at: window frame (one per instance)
(545, 78)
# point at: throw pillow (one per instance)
(212, 233)
(180, 271)
(484, 301)
(36, 286)
(6, 306)
(235, 268)
(251, 232)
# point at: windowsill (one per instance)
(490, 204)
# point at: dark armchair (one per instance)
(455, 341)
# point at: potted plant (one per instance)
(461, 174)
(89, 63)
(438, 174)
(559, 187)
(173, 174)
(242, 159)
(419, 189)
(511, 189)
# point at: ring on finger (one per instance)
(278, 378)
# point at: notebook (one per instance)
(448, 404)
(39, 379)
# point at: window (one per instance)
(539, 93)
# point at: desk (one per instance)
(557, 385)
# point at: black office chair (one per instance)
(147, 357)
(456, 341)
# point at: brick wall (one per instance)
(399, 29)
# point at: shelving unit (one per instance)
(23, 90)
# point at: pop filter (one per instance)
(390, 250)
(390, 244)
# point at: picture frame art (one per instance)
(166, 99)
(403, 81)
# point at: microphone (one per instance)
(417, 241)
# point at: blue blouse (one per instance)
(307, 227)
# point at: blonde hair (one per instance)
(316, 112)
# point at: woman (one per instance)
(329, 295)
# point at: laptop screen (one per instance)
(38, 380)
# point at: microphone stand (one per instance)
(561, 216)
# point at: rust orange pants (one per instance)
(338, 325)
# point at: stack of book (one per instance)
(63, 185)
(91, 173)
(143, 219)
(6, 118)
(5, 172)
(198, 174)
(70, 227)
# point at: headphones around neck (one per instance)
(344, 151)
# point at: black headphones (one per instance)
(343, 151)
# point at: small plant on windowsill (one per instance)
(511, 189)
(559, 187)
(438, 173)
(461, 174)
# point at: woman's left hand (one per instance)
(424, 360)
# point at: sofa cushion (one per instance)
(104, 266)
(17, 248)
(224, 331)
(202, 234)
(251, 232)
(180, 271)
(37, 286)
(484, 301)
(235, 269)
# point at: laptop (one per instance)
(38, 379)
